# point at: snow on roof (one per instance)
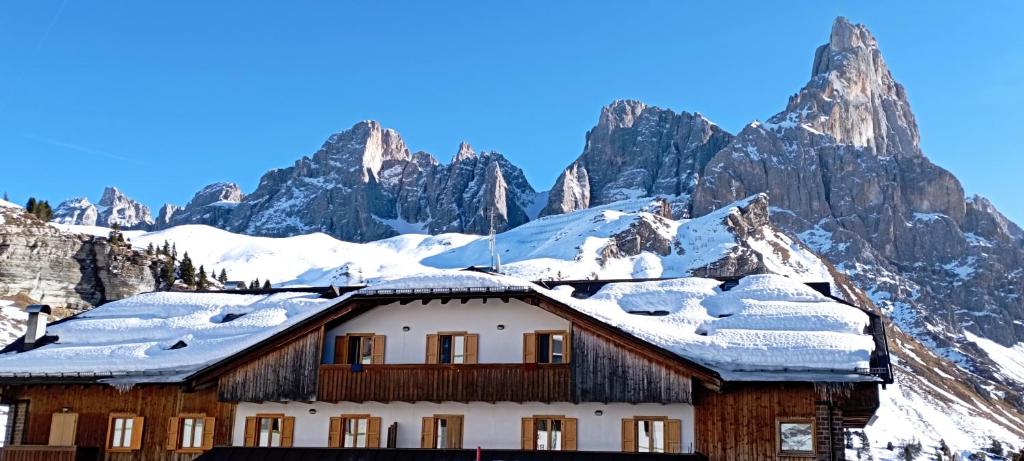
(134, 336)
(769, 327)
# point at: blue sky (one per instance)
(163, 98)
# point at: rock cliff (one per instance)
(113, 208)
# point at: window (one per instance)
(269, 430)
(361, 348)
(549, 433)
(652, 434)
(796, 436)
(354, 431)
(124, 432)
(190, 432)
(442, 431)
(452, 348)
(546, 347)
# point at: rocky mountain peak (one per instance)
(465, 152)
(360, 152)
(853, 97)
(216, 192)
(113, 208)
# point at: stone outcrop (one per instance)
(637, 151)
(65, 269)
(113, 208)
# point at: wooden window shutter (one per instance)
(431, 348)
(378, 350)
(529, 348)
(340, 349)
(334, 435)
(674, 436)
(527, 437)
(472, 343)
(628, 435)
(455, 429)
(373, 432)
(63, 427)
(250, 431)
(567, 352)
(172, 433)
(137, 424)
(569, 434)
(427, 434)
(287, 430)
(209, 427)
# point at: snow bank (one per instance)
(136, 335)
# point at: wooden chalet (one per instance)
(487, 372)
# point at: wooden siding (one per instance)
(285, 373)
(740, 423)
(604, 371)
(37, 453)
(94, 403)
(437, 383)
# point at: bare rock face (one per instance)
(364, 184)
(637, 151)
(113, 208)
(211, 206)
(65, 269)
(846, 174)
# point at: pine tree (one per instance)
(201, 282)
(7, 198)
(168, 273)
(254, 285)
(30, 206)
(44, 211)
(188, 271)
(149, 249)
(223, 278)
(174, 251)
(266, 284)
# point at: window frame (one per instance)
(180, 430)
(453, 334)
(345, 418)
(364, 339)
(561, 431)
(549, 358)
(796, 453)
(259, 430)
(637, 420)
(448, 418)
(127, 436)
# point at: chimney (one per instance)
(38, 314)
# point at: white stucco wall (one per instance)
(409, 347)
(485, 425)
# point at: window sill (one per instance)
(797, 454)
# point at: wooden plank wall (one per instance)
(603, 371)
(454, 383)
(287, 373)
(94, 403)
(740, 423)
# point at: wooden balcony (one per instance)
(37, 453)
(445, 383)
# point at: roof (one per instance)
(765, 328)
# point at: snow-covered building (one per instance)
(435, 366)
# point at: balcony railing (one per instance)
(445, 383)
(37, 453)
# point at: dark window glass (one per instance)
(543, 348)
(353, 349)
(445, 355)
